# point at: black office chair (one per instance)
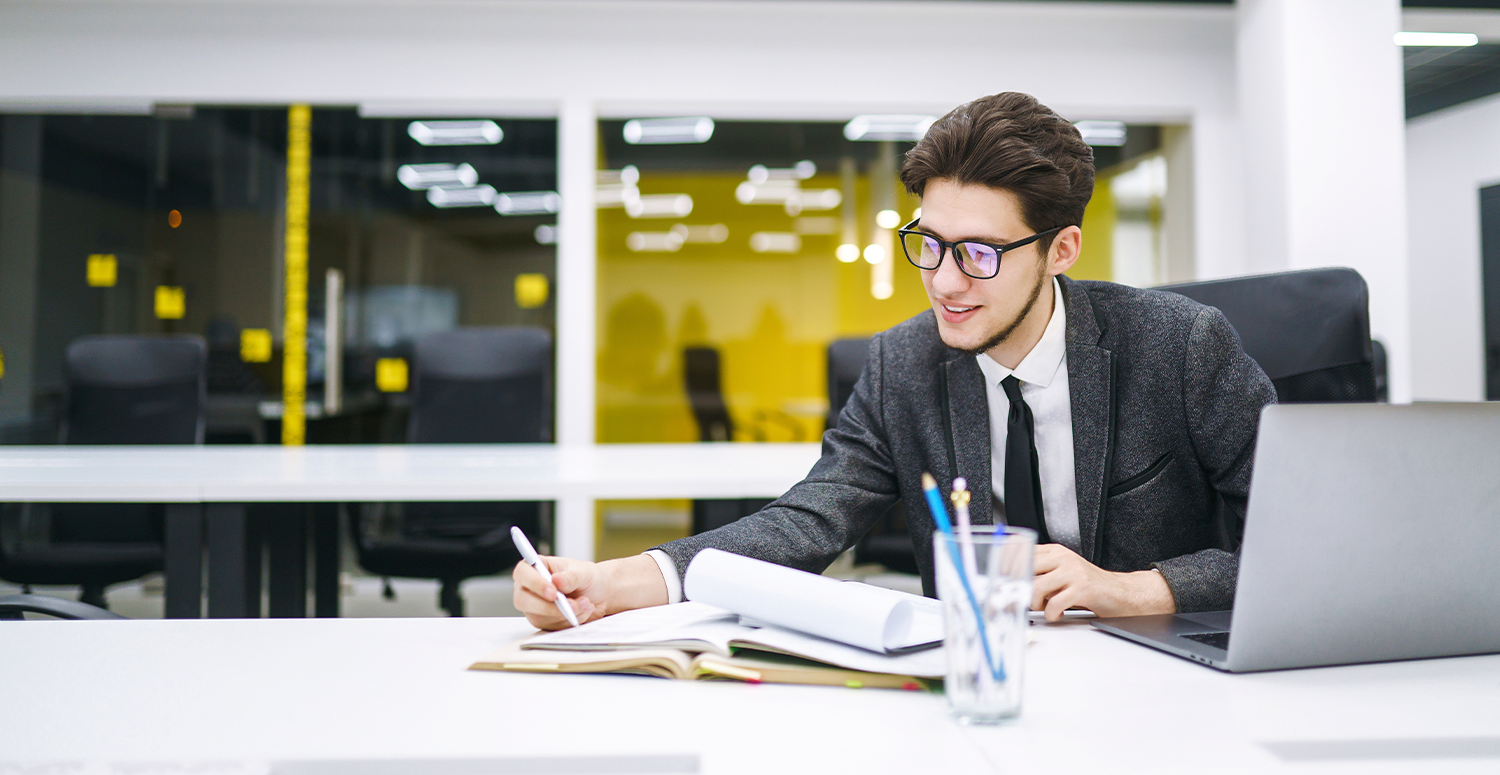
(1309, 330)
(469, 386)
(888, 542)
(702, 377)
(120, 390)
(15, 607)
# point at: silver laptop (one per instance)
(1373, 534)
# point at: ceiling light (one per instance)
(916, 214)
(1110, 133)
(455, 132)
(527, 203)
(882, 290)
(702, 234)
(1436, 39)
(627, 175)
(887, 219)
(420, 176)
(546, 234)
(814, 199)
(869, 128)
(874, 254)
(665, 131)
(847, 253)
(653, 242)
(775, 242)
(816, 225)
(659, 206)
(768, 192)
(471, 196)
(802, 170)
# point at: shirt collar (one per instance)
(1040, 366)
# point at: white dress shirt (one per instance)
(1043, 375)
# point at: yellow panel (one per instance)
(531, 290)
(2, 364)
(102, 270)
(294, 254)
(171, 302)
(1096, 261)
(391, 375)
(255, 345)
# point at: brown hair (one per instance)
(1012, 142)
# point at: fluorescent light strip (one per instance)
(422, 176)
(1102, 133)
(872, 128)
(455, 132)
(711, 235)
(653, 242)
(1436, 39)
(546, 234)
(668, 131)
(659, 206)
(775, 242)
(472, 196)
(802, 170)
(527, 203)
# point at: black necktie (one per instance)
(1023, 486)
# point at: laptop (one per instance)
(1372, 534)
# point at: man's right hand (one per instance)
(595, 590)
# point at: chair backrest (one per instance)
(846, 360)
(135, 390)
(482, 386)
(701, 376)
(1309, 330)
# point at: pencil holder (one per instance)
(984, 583)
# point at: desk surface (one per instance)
(278, 690)
(401, 472)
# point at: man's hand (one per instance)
(1064, 580)
(595, 590)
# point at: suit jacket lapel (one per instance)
(1091, 393)
(969, 417)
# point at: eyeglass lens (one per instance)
(975, 258)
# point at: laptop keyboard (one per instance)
(1215, 639)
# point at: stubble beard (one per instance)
(1006, 330)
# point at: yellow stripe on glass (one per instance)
(294, 327)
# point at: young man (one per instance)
(1117, 422)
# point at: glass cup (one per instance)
(985, 619)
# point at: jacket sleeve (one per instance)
(1223, 393)
(850, 487)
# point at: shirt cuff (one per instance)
(668, 574)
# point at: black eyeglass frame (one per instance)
(945, 247)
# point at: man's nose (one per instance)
(948, 280)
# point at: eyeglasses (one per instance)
(979, 260)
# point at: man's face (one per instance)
(976, 315)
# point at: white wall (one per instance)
(1450, 155)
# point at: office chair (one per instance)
(1309, 330)
(15, 607)
(888, 542)
(702, 377)
(469, 386)
(119, 390)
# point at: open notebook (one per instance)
(755, 621)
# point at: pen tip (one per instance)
(928, 482)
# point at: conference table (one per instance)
(206, 490)
(394, 697)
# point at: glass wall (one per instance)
(173, 223)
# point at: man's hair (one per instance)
(1012, 142)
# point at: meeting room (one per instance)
(508, 387)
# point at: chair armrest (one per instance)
(13, 606)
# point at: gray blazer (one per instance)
(1165, 405)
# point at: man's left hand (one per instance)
(1064, 580)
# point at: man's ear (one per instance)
(1063, 253)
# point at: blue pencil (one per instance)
(940, 516)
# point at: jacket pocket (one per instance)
(1140, 478)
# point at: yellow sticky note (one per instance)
(255, 345)
(390, 375)
(102, 270)
(171, 302)
(531, 290)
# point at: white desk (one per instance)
(327, 689)
(574, 477)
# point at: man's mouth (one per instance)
(956, 309)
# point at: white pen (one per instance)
(530, 556)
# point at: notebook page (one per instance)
(665, 625)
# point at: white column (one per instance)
(1323, 129)
(577, 169)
